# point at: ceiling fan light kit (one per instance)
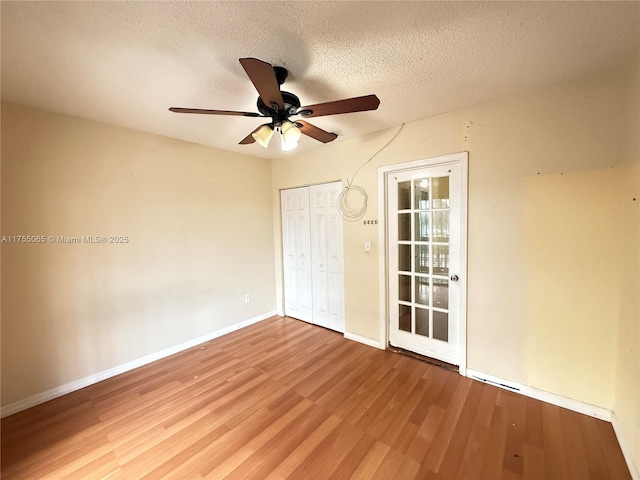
(263, 135)
(281, 105)
(290, 132)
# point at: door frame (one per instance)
(461, 158)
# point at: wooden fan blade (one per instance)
(213, 112)
(249, 138)
(264, 79)
(356, 104)
(315, 132)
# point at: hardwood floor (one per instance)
(284, 399)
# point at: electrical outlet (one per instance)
(247, 298)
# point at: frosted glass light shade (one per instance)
(263, 135)
(290, 133)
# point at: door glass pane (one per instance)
(440, 192)
(422, 290)
(421, 194)
(441, 326)
(422, 321)
(422, 258)
(404, 288)
(440, 293)
(440, 260)
(404, 258)
(404, 195)
(440, 227)
(422, 227)
(404, 226)
(404, 318)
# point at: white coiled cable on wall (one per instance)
(347, 211)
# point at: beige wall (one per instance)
(627, 392)
(195, 218)
(549, 206)
(573, 226)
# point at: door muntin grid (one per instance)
(423, 208)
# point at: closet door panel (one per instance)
(296, 253)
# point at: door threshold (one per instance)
(432, 361)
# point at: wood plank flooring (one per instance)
(283, 399)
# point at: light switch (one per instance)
(367, 246)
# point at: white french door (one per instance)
(312, 244)
(426, 224)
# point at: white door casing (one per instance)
(423, 234)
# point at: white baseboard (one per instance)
(359, 338)
(626, 451)
(552, 398)
(39, 398)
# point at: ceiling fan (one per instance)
(281, 105)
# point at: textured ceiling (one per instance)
(126, 63)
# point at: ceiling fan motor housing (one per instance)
(291, 106)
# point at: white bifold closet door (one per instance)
(312, 255)
(296, 253)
